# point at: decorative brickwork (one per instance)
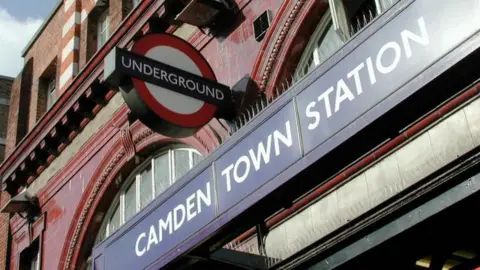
(70, 42)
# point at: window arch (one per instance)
(148, 181)
(342, 20)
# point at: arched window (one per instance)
(148, 181)
(340, 22)
(323, 44)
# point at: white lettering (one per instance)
(324, 96)
(147, 70)
(277, 136)
(315, 114)
(422, 39)
(178, 221)
(396, 48)
(201, 197)
(198, 88)
(155, 73)
(236, 177)
(137, 66)
(175, 219)
(371, 71)
(164, 226)
(261, 153)
(181, 82)
(172, 78)
(190, 85)
(190, 206)
(138, 251)
(152, 238)
(129, 62)
(343, 93)
(356, 76)
(219, 94)
(226, 173)
(210, 91)
(164, 74)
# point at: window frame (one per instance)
(134, 178)
(312, 45)
(103, 20)
(334, 16)
(31, 257)
(51, 92)
(136, 2)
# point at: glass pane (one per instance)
(115, 220)
(162, 178)
(385, 4)
(182, 163)
(146, 186)
(103, 29)
(327, 45)
(196, 158)
(130, 202)
(107, 28)
(35, 263)
(103, 38)
(101, 235)
(89, 264)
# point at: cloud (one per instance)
(14, 36)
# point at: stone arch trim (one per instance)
(142, 138)
(279, 54)
(105, 173)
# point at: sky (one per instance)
(19, 20)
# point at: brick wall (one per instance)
(5, 87)
(4, 233)
(3, 124)
(240, 47)
(25, 91)
(44, 52)
(20, 96)
(118, 10)
(13, 116)
(87, 45)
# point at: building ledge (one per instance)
(77, 106)
(3, 77)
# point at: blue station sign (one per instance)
(256, 159)
(167, 226)
(324, 105)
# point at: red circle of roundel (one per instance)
(200, 117)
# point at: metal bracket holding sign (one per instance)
(202, 13)
(168, 85)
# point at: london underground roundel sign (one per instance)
(167, 84)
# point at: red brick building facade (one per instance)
(5, 87)
(73, 144)
(74, 56)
